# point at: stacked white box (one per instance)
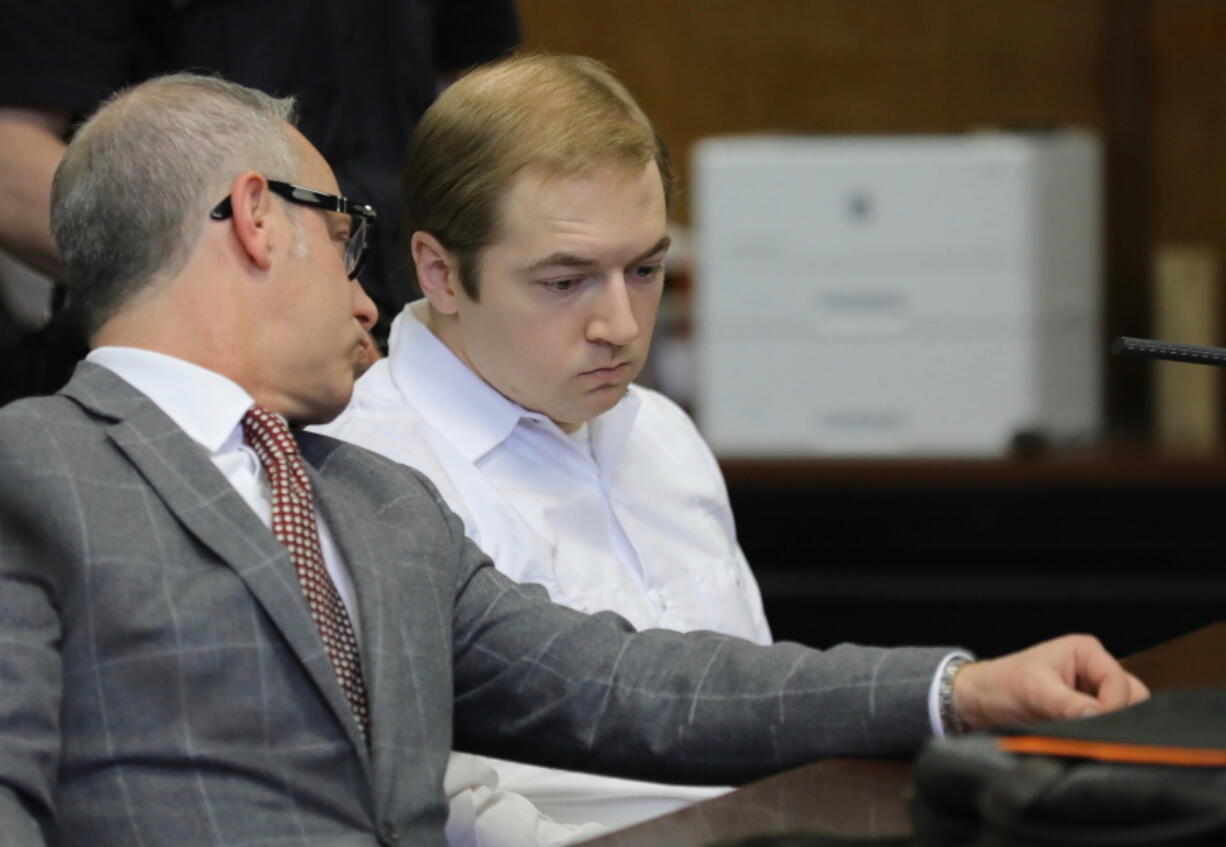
(904, 295)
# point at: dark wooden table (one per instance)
(866, 797)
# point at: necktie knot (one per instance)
(269, 436)
(268, 432)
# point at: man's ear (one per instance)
(438, 272)
(251, 206)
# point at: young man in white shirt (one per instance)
(536, 201)
(537, 193)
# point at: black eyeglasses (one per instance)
(361, 217)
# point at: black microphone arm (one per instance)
(1169, 351)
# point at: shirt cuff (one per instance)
(934, 691)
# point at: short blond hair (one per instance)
(566, 115)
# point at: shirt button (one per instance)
(391, 835)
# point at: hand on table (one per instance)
(1068, 677)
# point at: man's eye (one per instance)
(561, 284)
(648, 271)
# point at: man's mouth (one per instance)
(367, 353)
(608, 371)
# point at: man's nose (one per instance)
(613, 321)
(364, 309)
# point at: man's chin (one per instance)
(329, 414)
(322, 410)
(604, 399)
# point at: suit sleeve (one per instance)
(30, 673)
(544, 684)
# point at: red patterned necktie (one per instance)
(293, 524)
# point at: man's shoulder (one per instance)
(46, 443)
(35, 419)
(375, 406)
(381, 420)
(41, 404)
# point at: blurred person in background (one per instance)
(363, 71)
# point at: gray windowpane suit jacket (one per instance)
(161, 680)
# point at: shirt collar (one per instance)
(477, 417)
(206, 405)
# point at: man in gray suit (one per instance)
(216, 632)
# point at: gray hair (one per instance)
(133, 192)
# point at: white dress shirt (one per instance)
(632, 516)
(628, 514)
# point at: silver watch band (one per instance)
(951, 721)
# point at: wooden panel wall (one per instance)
(1186, 40)
(712, 66)
(1149, 75)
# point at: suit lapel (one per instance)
(202, 499)
(347, 528)
(383, 661)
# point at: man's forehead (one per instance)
(313, 170)
(537, 179)
(542, 206)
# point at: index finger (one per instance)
(1104, 678)
(1137, 690)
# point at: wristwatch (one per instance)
(951, 721)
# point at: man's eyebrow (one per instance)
(659, 247)
(571, 260)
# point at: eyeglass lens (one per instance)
(355, 246)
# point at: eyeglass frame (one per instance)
(362, 215)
